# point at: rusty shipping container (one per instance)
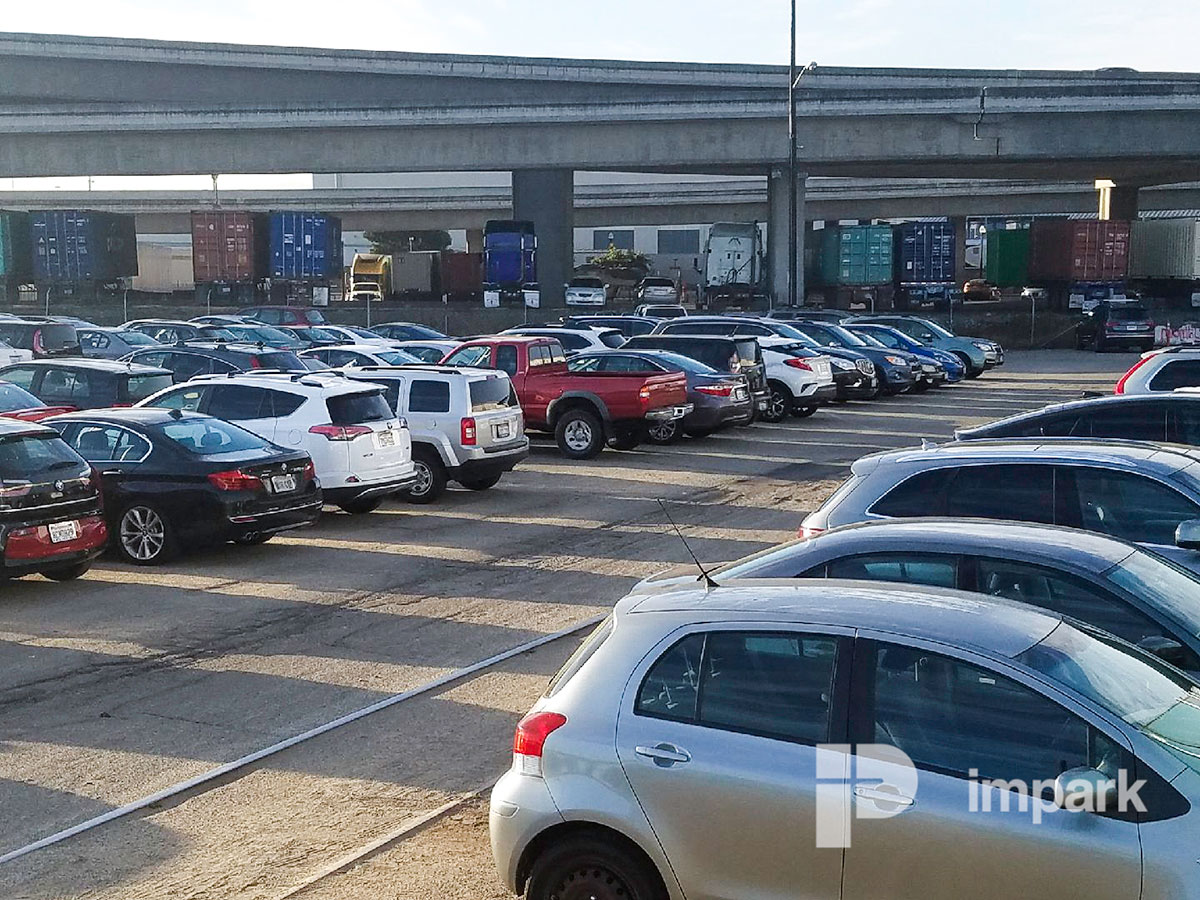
(228, 247)
(1065, 250)
(461, 273)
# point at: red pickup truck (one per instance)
(584, 410)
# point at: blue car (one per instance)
(898, 340)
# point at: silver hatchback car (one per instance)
(851, 741)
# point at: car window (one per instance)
(13, 397)
(470, 356)
(1186, 423)
(753, 329)
(204, 436)
(355, 409)
(910, 568)
(1176, 374)
(28, 456)
(1130, 506)
(1129, 419)
(21, 376)
(237, 402)
(628, 364)
(188, 399)
(574, 341)
(1069, 596)
(341, 357)
(960, 719)
(584, 364)
(428, 396)
(154, 358)
(506, 358)
(884, 337)
(94, 340)
(921, 495)
(284, 360)
(672, 685)
(68, 386)
(613, 339)
(185, 366)
(269, 316)
(139, 387)
(283, 404)
(492, 394)
(1024, 493)
(106, 443)
(1062, 425)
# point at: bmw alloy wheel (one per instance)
(143, 533)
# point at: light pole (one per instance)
(793, 237)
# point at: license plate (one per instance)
(763, 404)
(386, 439)
(740, 394)
(281, 484)
(63, 531)
(502, 431)
(1131, 328)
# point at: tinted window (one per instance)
(492, 394)
(1128, 313)
(921, 495)
(612, 339)
(1187, 423)
(773, 684)
(284, 404)
(754, 329)
(1176, 374)
(955, 717)
(684, 327)
(574, 342)
(13, 397)
(910, 568)
(16, 335)
(94, 340)
(204, 436)
(354, 409)
(470, 356)
(28, 456)
(55, 337)
(66, 386)
(627, 364)
(282, 359)
(1021, 492)
(1130, 506)
(156, 358)
(670, 688)
(139, 387)
(188, 399)
(429, 396)
(185, 366)
(506, 358)
(105, 443)
(236, 402)
(1133, 420)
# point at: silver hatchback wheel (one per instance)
(578, 435)
(143, 533)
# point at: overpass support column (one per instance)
(546, 197)
(777, 236)
(1117, 201)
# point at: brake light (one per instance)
(235, 480)
(1120, 388)
(340, 432)
(255, 363)
(715, 390)
(797, 363)
(38, 345)
(530, 739)
(808, 531)
(468, 432)
(310, 471)
(644, 393)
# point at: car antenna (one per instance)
(708, 580)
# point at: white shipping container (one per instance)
(163, 269)
(1165, 248)
(413, 272)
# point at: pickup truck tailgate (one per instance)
(664, 390)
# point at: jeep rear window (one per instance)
(25, 457)
(491, 394)
(354, 409)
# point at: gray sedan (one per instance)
(111, 343)
(841, 740)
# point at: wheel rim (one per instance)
(143, 533)
(592, 883)
(779, 405)
(578, 435)
(424, 481)
(662, 431)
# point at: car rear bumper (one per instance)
(29, 548)
(669, 413)
(349, 492)
(490, 463)
(521, 808)
(302, 513)
(713, 416)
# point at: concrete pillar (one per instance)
(960, 250)
(1117, 201)
(474, 240)
(546, 197)
(777, 236)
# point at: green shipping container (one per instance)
(856, 255)
(1007, 261)
(16, 259)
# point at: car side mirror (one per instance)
(1085, 790)
(1187, 535)
(1165, 648)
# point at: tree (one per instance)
(403, 241)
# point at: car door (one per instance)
(1124, 504)
(963, 720)
(718, 735)
(117, 453)
(248, 406)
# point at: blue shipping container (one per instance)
(510, 254)
(306, 247)
(75, 246)
(925, 253)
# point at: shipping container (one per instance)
(80, 246)
(855, 255)
(925, 253)
(509, 253)
(229, 247)
(1165, 248)
(16, 259)
(461, 274)
(305, 247)
(414, 272)
(1006, 264)
(163, 269)
(1067, 250)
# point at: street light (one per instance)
(793, 237)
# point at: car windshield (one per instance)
(586, 283)
(206, 436)
(140, 387)
(882, 337)
(424, 331)
(1149, 695)
(1161, 583)
(936, 328)
(13, 397)
(395, 357)
(264, 333)
(315, 317)
(869, 340)
(363, 333)
(24, 457)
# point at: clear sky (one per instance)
(1068, 34)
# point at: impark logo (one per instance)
(862, 781)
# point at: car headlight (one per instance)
(841, 364)
(985, 346)
(896, 360)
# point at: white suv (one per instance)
(466, 424)
(799, 382)
(574, 340)
(1167, 369)
(361, 451)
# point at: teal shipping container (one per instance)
(16, 257)
(855, 255)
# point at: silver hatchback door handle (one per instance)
(664, 754)
(876, 795)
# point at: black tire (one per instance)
(482, 483)
(664, 432)
(431, 477)
(362, 505)
(698, 433)
(625, 438)
(252, 540)
(974, 373)
(780, 404)
(804, 412)
(593, 866)
(579, 434)
(144, 536)
(67, 573)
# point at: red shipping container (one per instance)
(461, 273)
(1068, 250)
(228, 246)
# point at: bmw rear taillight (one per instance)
(530, 739)
(1120, 388)
(469, 434)
(235, 480)
(310, 471)
(340, 432)
(796, 363)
